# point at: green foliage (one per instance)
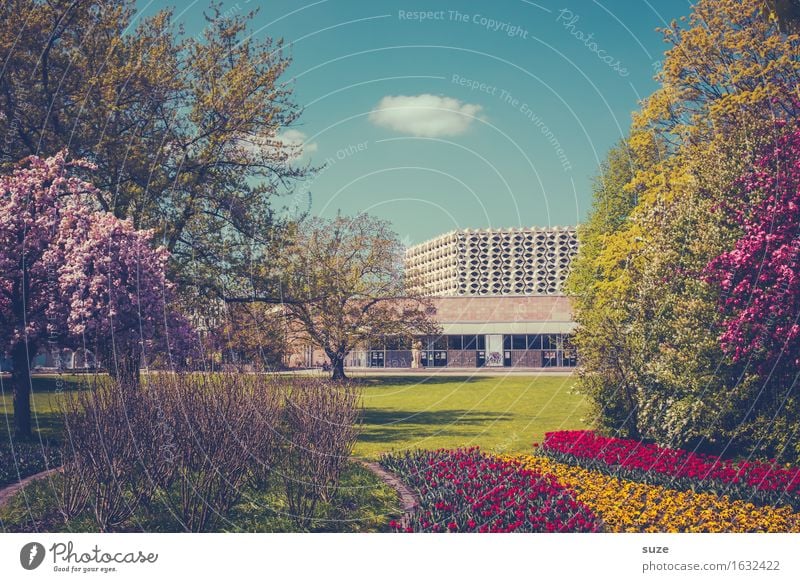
(611, 205)
(185, 131)
(650, 330)
(23, 459)
(606, 349)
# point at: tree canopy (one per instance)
(652, 340)
(343, 285)
(183, 132)
(73, 275)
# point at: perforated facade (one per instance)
(513, 261)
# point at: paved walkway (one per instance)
(408, 501)
(440, 372)
(8, 492)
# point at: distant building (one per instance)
(493, 262)
(498, 297)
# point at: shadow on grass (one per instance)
(51, 384)
(378, 381)
(386, 426)
(47, 428)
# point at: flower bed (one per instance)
(24, 460)
(626, 506)
(467, 491)
(761, 483)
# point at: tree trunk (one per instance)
(337, 366)
(124, 365)
(21, 384)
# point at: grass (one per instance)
(46, 395)
(364, 504)
(502, 414)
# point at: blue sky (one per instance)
(444, 115)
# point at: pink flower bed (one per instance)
(468, 491)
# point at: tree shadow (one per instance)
(378, 381)
(386, 426)
(66, 383)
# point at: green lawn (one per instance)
(45, 404)
(500, 414)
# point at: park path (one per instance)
(8, 492)
(408, 501)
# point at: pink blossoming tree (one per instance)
(759, 278)
(117, 295)
(70, 275)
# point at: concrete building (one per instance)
(493, 262)
(497, 296)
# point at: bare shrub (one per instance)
(321, 424)
(267, 399)
(223, 433)
(100, 453)
(155, 438)
(192, 443)
(74, 493)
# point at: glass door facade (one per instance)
(476, 351)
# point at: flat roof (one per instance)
(504, 230)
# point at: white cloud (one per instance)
(296, 141)
(424, 115)
(291, 142)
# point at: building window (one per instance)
(534, 342)
(549, 359)
(470, 342)
(506, 342)
(549, 342)
(397, 342)
(454, 342)
(438, 343)
(481, 342)
(518, 342)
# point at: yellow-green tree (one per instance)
(343, 286)
(732, 70)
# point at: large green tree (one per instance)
(184, 131)
(606, 354)
(650, 325)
